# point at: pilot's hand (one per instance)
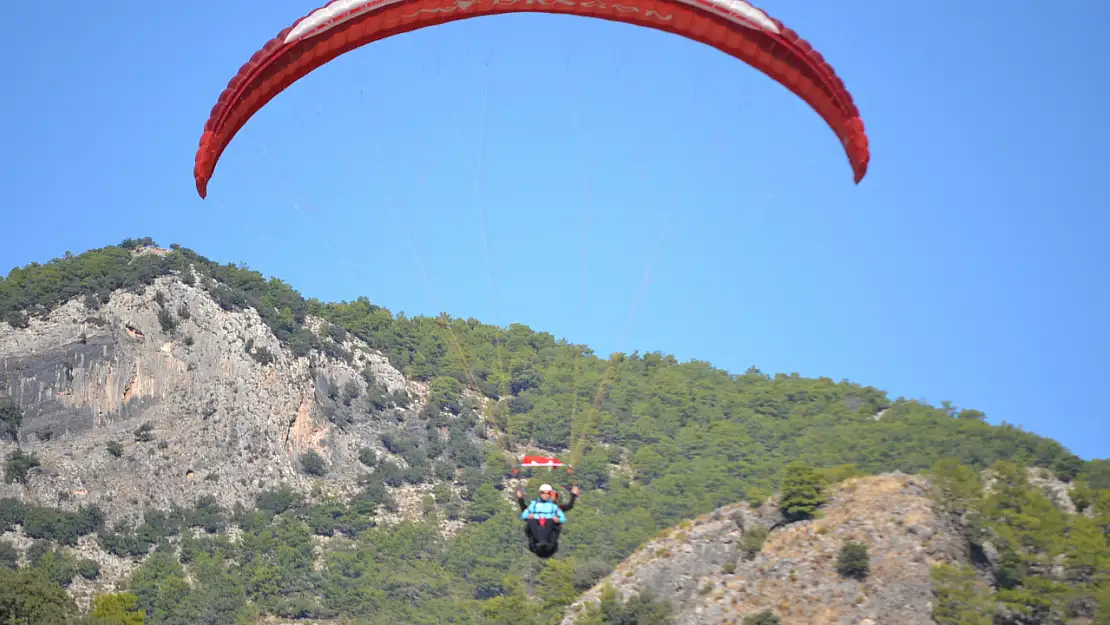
(519, 493)
(574, 490)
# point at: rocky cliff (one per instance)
(200, 400)
(725, 566)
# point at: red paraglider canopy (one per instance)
(732, 26)
(541, 461)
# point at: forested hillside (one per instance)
(654, 441)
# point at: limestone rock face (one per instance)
(202, 400)
(700, 567)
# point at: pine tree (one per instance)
(802, 491)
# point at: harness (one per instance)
(550, 510)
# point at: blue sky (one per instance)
(536, 168)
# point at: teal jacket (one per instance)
(544, 510)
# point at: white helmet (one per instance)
(545, 488)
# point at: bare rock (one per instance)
(213, 405)
(698, 569)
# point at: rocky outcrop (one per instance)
(1058, 491)
(700, 566)
(203, 402)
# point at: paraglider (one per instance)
(733, 26)
(541, 461)
(544, 517)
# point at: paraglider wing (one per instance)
(732, 26)
(540, 461)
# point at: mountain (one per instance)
(731, 564)
(229, 451)
(1005, 546)
(156, 396)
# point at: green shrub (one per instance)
(854, 561)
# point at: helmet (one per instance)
(545, 488)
